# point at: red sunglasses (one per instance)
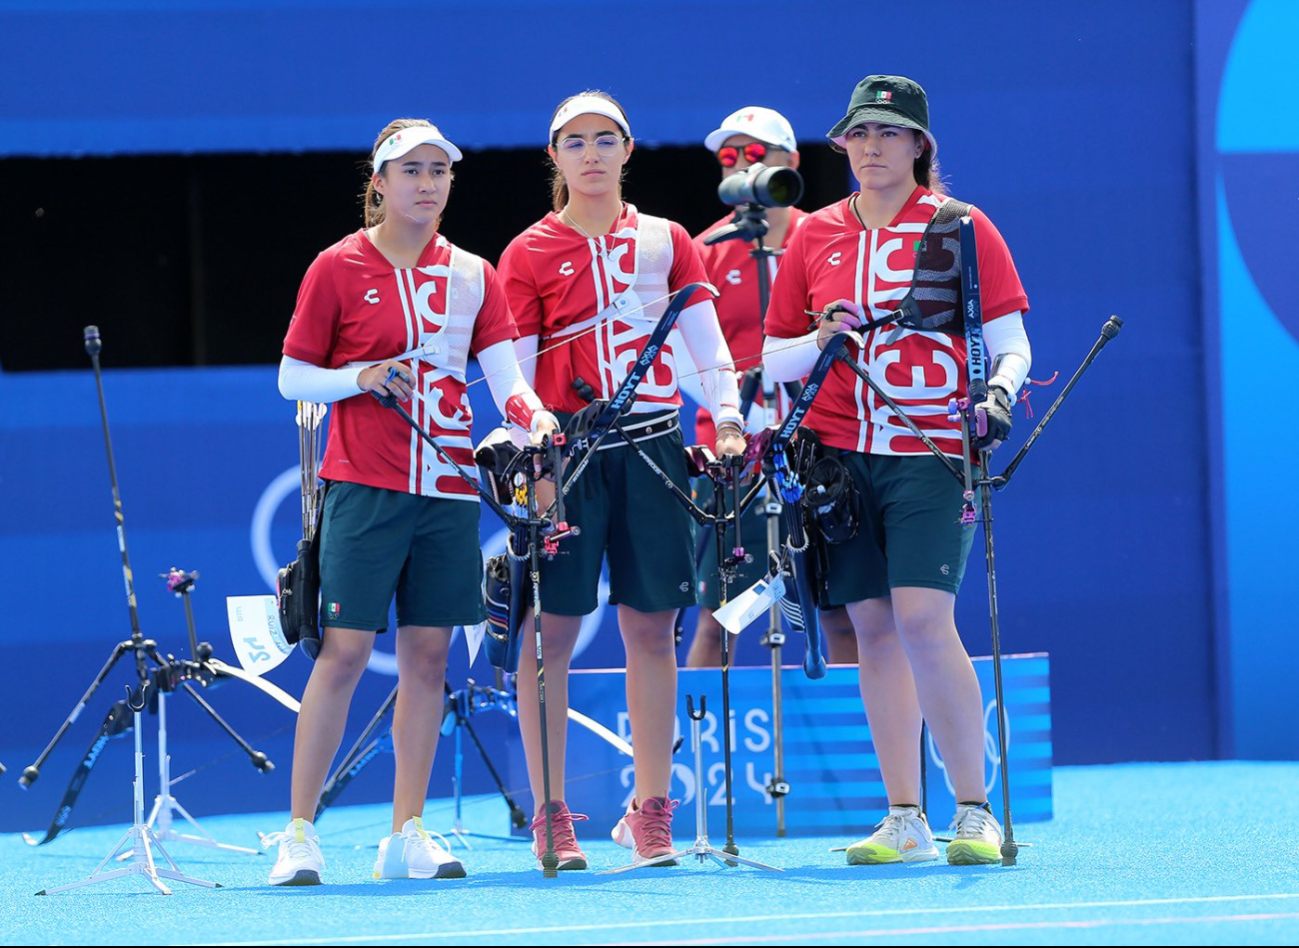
(753, 152)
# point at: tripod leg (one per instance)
(517, 818)
(363, 750)
(364, 742)
(341, 778)
(116, 723)
(33, 772)
(1009, 851)
(257, 758)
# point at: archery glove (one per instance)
(992, 419)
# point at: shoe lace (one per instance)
(296, 849)
(656, 825)
(894, 824)
(971, 821)
(426, 841)
(561, 826)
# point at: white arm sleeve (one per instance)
(525, 347)
(510, 390)
(303, 382)
(1011, 354)
(704, 341)
(687, 376)
(789, 360)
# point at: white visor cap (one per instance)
(404, 140)
(766, 125)
(588, 105)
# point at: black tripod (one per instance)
(750, 224)
(460, 705)
(148, 661)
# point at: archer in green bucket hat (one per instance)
(888, 100)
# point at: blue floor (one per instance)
(1180, 854)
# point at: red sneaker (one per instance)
(647, 830)
(561, 829)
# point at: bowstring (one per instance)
(791, 344)
(597, 325)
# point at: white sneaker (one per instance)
(414, 854)
(902, 836)
(977, 839)
(299, 861)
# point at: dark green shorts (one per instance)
(753, 534)
(627, 513)
(376, 542)
(910, 531)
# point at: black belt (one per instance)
(638, 431)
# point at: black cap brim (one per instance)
(882, 116)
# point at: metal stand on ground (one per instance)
(165, 806)
(147, 660)
(377, 739)
(726, 569)
(139, 838)
(750, 224)
(462, 704)
(702, 849)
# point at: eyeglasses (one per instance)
(605, 146)
(753, 152)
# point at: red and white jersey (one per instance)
(733, 270)
(594, 301)
(355, 307)
(833, 257)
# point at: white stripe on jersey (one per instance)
(595, 275)
(858, 385)
(404, 294)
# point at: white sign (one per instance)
(750, 604)
(255, 631)
(474, 638)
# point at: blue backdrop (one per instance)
(1249, 149)
(1077, 129)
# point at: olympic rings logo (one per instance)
(991, 750)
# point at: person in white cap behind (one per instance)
(746, 137)
(395, 309)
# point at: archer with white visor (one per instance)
(395, 309)
(587, 284)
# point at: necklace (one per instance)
(856, 213)
(597, 243)
(571, 221)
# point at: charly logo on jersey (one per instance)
(371, 296)
(733, 278)
(835, 258)
(566, 268)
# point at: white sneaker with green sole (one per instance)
(976, 837)
(902, 836)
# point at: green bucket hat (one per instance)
(888, 100)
